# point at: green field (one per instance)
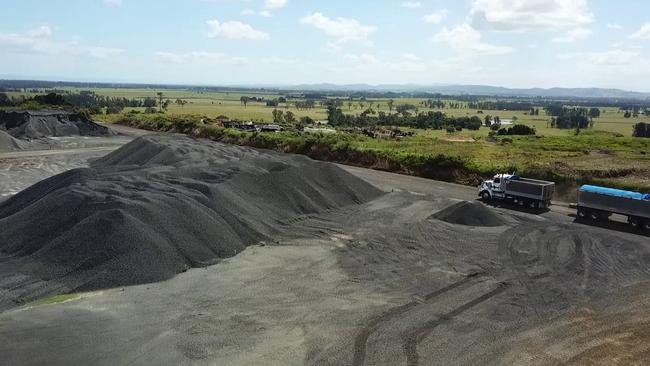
(605, 153)
(214, 104)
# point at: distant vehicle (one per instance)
(522, 191)
(599, 203)
(270, 128)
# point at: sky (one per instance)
(511, 43)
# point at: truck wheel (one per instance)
(595, 215)
(485, 196)
(635, 222)
(522, 202)
(534, 204)
(646, 224)
(582, 213)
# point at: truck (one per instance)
(597, 203)
(531, 193)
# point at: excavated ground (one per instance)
(399, 278)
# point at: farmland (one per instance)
(605, 153)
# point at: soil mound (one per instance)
(470, 214)
(9, 143)
(156, 207)
(27, 125)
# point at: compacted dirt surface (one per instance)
(286, 261)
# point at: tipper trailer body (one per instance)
(598, 203)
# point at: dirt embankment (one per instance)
(18, 129)
(154, 208)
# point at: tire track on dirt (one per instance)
(361, 340)
(413, 337)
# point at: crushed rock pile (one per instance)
(31, 125)
(10, 143)
(156, 207)
(469, 214)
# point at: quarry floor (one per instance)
(374, 284)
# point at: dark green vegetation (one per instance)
(592, 156)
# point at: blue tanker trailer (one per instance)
(599, 203)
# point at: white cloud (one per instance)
(606, 58)
(411, 4)
(465, 39)
(262, 13)
(275, 4)
(614, 26)
(573, 35)
(341, 29)
(363, 59)
(531, 14)
(44, 31)
(410, 57)
(40, 40)
(113, 3)
(200, 56)
(104, 52)
(642, 33)
(235, 30)
(436, 17)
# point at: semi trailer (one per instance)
(532, 193)
(599, 203)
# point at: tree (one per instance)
(51, 99)
(306, 120)
(627, 114)
(160, 100)
(165, 104)
(335, 116)
(244, 100)
(390, 106)
(278, 116)
(289, 117)
(181, 102)
(488, 120)
(350, 106)
(594, 112)
(4, 100)
(642, 129)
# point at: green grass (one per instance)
(212, 104)
(592, 155)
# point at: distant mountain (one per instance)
(446, 89)
(485, 90)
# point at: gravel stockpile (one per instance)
(28, 125)
(9, 143)
(470, 214)
(156, 207)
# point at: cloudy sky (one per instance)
(513, 43)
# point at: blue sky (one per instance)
(514, 43)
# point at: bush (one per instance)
(641, 129)
(522, 130)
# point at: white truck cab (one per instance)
(494, 188)
(522, 191)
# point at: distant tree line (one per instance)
(571, 117)
(83, 99)
(500, 105)
(430, 119)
